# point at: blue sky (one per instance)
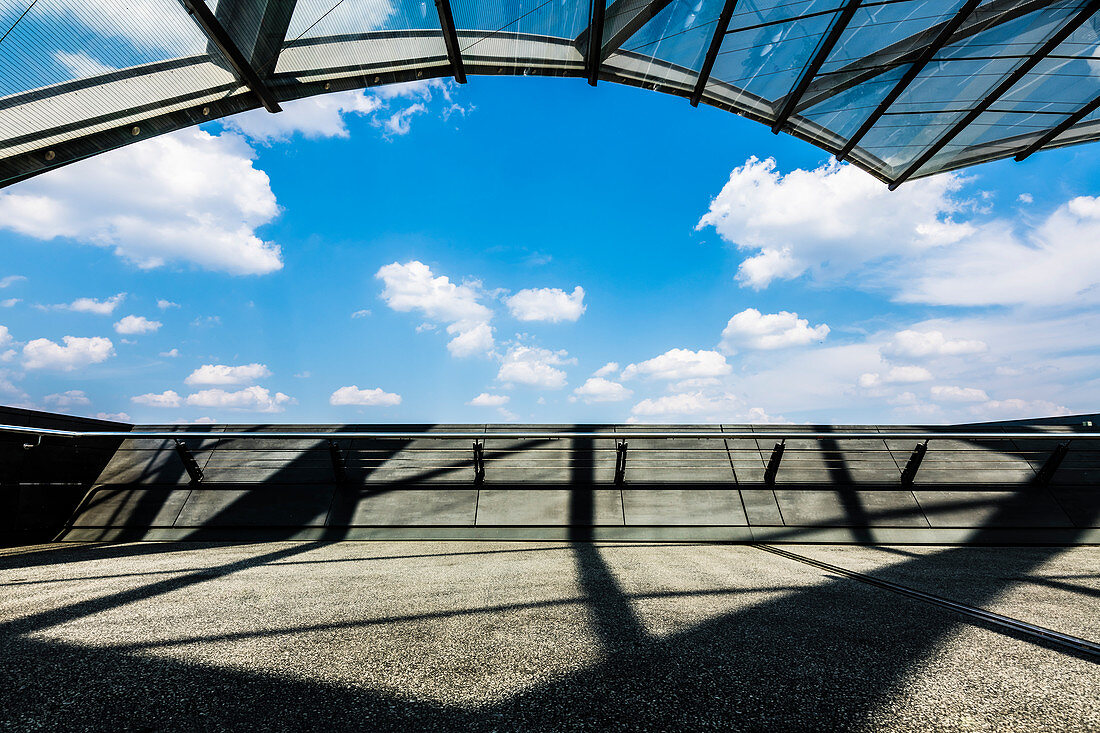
(414, 255)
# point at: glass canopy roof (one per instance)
(901, 88)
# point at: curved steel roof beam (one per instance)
(242, 67)
(450, 39)
(712, 52)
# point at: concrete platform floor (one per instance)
(538, 636)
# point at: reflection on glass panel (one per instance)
(310, 59)
(680, 34)
(60, 40)
(70, 111)
(964, 74)
(320, 18)
(1019, 36)
(877, 26)
(843, 113)
(766, 62)
(556, 18)
(991, 129)
(898, 138)
(507, 31)
(753, 13)
(328, 38)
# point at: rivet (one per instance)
(327, 85)
(135, 130)
(50, 155)
(205, 111)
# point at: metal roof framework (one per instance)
(901, 88)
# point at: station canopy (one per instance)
(901, 88)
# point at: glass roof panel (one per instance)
(878, 25)
(55, 41)
(766, 51)
(679, 35)
(843, 113)
(82, 74)
(964, 74)
(1052, 90)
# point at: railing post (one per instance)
(189, 462)
(479, 463)
(620, 463)
(339, 470)
(1054, 460)
(910, 471)
(773, 462)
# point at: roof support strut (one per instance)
(840, 22)
(712, 52)
(1006, 84)
(242, 67)
(450, 38)
(627, 17)
(926, 56)
(622, 19)
(991, 15)
(1058, 129)
(594, 55)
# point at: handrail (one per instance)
(546, 435)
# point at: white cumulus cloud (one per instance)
(168, 398)
(314, 117)
(103, 307)
(916, 344)
(534, 366)
(1018, 409)
(755, 330)
(75, 352)
(184, 197)
(413, 286)
(133, 325)
(689, 404)
(896, 375)
(599, 389)
(71, 398)
(352, 395)
(607, 369)
(678, 364)
(958, 394)
(489, 400)
(222, 374)
(252, 399)
(547, 304)
(833, 218)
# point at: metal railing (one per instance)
(621, 440)
(551, 435)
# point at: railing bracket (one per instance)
(1054, 460)
(910, 471)
(773, 462)
(479, 463)
(339, 469)
(620, 463)
(189, 462)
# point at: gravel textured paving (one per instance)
(537, 636)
